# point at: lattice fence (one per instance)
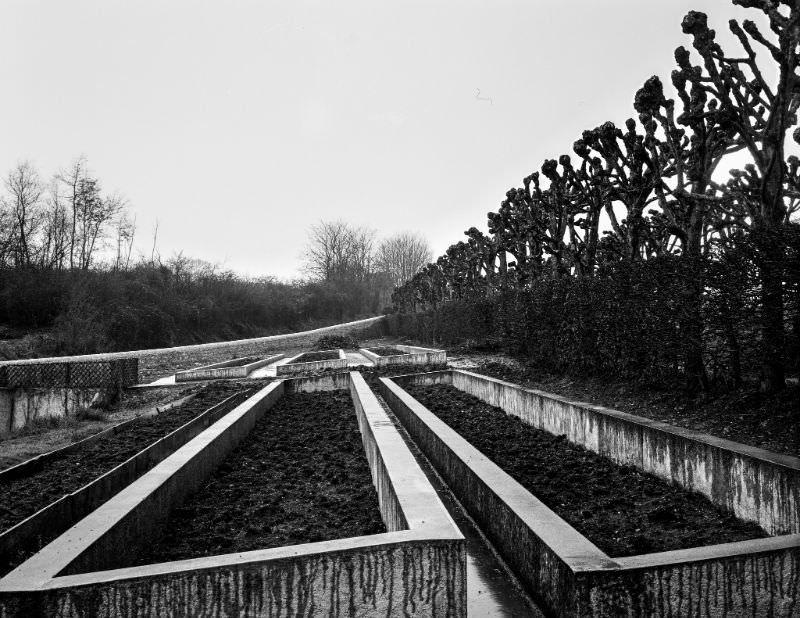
(100, 374)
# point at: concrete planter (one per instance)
(417, 568)
(564, 572)
(64, 512)
(414, 356)
(224, 370)
(294, 368)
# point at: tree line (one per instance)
(71, 284)
(635, 255)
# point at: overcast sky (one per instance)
(237, 125)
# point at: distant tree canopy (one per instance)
(680, 264)
(348, 263)
(69, 283)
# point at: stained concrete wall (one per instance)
(501, 507)
(720, 584)
(567, 577)
(418, 572)
(392, 580)
(755, 484)
(20, 406)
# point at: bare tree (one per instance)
(24, 204)
(55, 229)
(338, 251)
(125, 231)
(402, 256)
(71, 178)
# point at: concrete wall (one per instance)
(417, 570)
(224, 370)
(20, 406)
(293, 367)
(505, 512)
(157, 362)
(753, 483)
(565, 573)
(754, 578)
(414, 356)
(396, 579)
(63, 513)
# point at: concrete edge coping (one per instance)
(99, 481)
(197, 346)
(411, 355)
(642, 561)
(370, 356)
(710, 552)
(787, 461)
(415, 349)
(257, 556)
(291, 367)
(247, 368)
(418, 500)
(61, 552)
(429, 524)
(339, 351)
(577, 552)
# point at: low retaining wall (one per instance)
(156, 362)
(414, 356)
(293, 368)
(69, 509)
(224, 371)
(417, 568)
(21, 406)
(564, 572)
(755, 484)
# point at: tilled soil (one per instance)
(623, 511)
(313, 357)
(386, 351)
(21, 497)
(300, 476)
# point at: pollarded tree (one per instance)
(629, 177)
(762, 112)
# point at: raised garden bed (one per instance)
(418, 567)
(566, 573)
(305, 477)
(405, 355)
(42, 498)
(313, 357)
(387, 351)
(312, 362)
(230, 369)
(622, 510)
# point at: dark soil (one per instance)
(387, 351)
(313, 357)
(21, 497)
(623, 511)
(301, 476)
(743, 414)
(330, 342)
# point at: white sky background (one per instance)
(238, 125)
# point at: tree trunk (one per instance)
(773, 377)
